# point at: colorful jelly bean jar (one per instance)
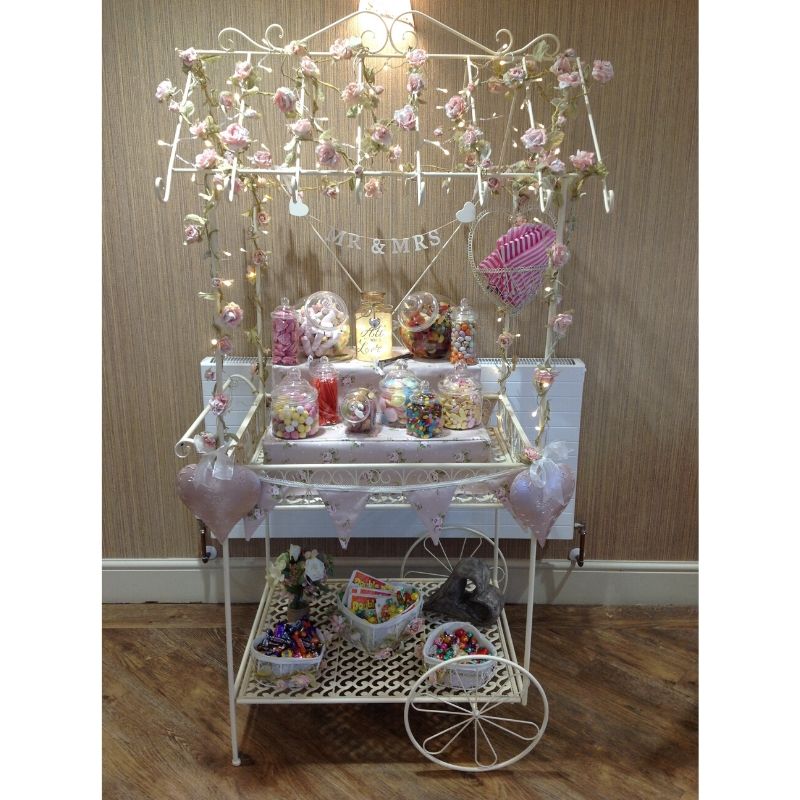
(394, 390)
(295, 410)
(424, 325)
(461, 399)
(423, 413)
(324, 326)
(462, 339)
(285, 334)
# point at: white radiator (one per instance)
(566, 395)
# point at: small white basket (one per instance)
(280, 667)
(462, 675)
(371, 637)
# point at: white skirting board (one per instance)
(188, 580)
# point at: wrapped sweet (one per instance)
(285, 334)
(295, 410)
(394, 390)
(325, 380)
(359, 409)
(423, 413)
(424, 325)
(461, 399)
(462, 338)
(324, 326)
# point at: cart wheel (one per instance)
(477, 729)
(474, 543)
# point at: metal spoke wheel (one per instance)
(476, 729)
(446, 554)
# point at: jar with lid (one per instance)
(461, 399)
(325, 380)
(285, 334)
(359, 409)
(324, 326)
(424, 325)
(423, 413)
(373, 328)
(394, 390)
(462, 341)
(295, 411)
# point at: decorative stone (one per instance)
(481, 604)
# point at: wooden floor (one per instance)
(621, 682)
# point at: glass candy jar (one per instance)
(325, 380)
(359, 409)
(423, 413)
(373, 328)
(295, 411)
(285, 334)
(462, 341)
(324, 326)
(461, 399)
(425, 325)
(395, 388)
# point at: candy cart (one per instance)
(470, 713)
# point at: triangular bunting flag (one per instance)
(344, 507)
(431, 506)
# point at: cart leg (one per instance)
(266, 544)
(496, 545)
(226, 574)
(529, 612)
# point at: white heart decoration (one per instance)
(297, 208)
(466, 213)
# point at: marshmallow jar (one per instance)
(324, 326)
(394, 390)
(461, 399)
(295, 410)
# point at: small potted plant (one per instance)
(303, 575)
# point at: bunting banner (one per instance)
(431, 506)
(344, 507)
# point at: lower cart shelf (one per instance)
(348, 675)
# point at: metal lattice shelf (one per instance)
(350, 675)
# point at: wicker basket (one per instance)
(280, 667)
(462, 675)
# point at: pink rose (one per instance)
(568, 79)
(302, 129)
(341, 50)
(494, 184)
(372, 188)
(226, 100)
(583, 159)
(505, 340)
(495, 86)
(534, 137)
(331, 192)
(559, 255)
(406, 118)
(352, 93)
(326, 154)
(173, 106)
(263, 158)
(295, 48)
(263, 217)
(416, 83)
(556, 165)
(395, 153)
(437, 132)
(192, 234)
(219, 403)
(416, 58)
(242, 70)
(308, 67)
(471, 136)
(470, 159)
(543, 378)
(235, 137)
(208, 159)
(602, 71)
(232, 315)
(531, 454)
(285, 99)
(225, 345)
(377, 89)
(188, 56)
(514, 76)
(561, 64)
(561, 323)
(455, 107)
(381, 135)
(199, 130)
(164, 89)
(205, 442)
(259, 257)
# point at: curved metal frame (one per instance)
(476, 716)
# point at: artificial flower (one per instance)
(494, 184)
(568, 79)
(326, 154)
(381, 134)
(205, 442)
(188, 57)
(235, 137)
(495, 86)
(559, 255)
(437, 132)
(505, 340)
(583, 159)
(294, 552)
(531, 454)
(226, 100)
(295, 48)
(415, 83)
(200, 129)
(208, 159)
(225, 345)
(192, 234)
(263, 218)
(352, 93)
(302, 129)
(259, 257)
(285, 100)
(315, 569)
(514, 76)
(534, 138)
(174, 106)
(556, 166)
(341, 50)
(455, 107)
(263, 158)
(470, 136)
(372, 188)
(164, 89)
(602, 71)
(308, 67)
(219, 404)
(232, 315)
(243, 70)
(331, 192)
(543, 378)
(395, 153)
(561, 64)
(406, 118)
(561, 323)
(417, 57)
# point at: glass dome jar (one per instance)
(324, 326)
(462, 340)
(373, 328)
(461, 399)
(394, 390)
(424, 325)
(295, 411)
(423, 413)
(285, 334)
(326, 381)
(359, 409)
